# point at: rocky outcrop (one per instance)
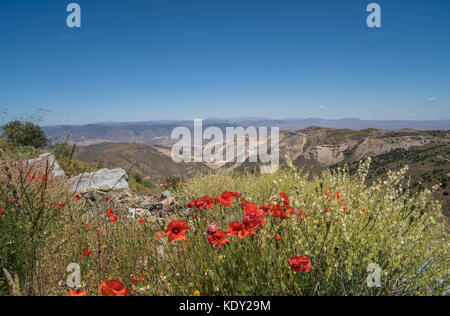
(105, 178)
(327, 155)
(137, 206)
(372, 146)
(47, 160)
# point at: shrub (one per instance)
(139, 185)
(25, 134)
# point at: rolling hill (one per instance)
(153, 163)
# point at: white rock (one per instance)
(57, 171)
(112, 178)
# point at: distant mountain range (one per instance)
(158, 132)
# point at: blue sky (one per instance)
(142, 60)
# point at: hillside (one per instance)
(429, 165)
(317, 147)
(151, 162)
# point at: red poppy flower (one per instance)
(218, 239)
(300, 263)
(44, 177)
(113, 219)
(137, 280)
(77, 293)
(254, 220)
(237, 229)
(176, 231)
(236, 195)
(249, 207)
(85, 253)
(338, 195)
(158, 235)
(113, 288)
(285, 197)
(141, 221)
(277, 237)
(265, 208)
(226, 199)
(2, 211)
(191, 204)
(106, 199)
(109, 212)
(78, 197)
(345, 208)
(201, 204)
(208, 201)
(163, 183)
(290, 211)
(278, 211)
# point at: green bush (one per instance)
(25, 134)
(140, 186)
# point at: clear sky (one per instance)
(142, 60)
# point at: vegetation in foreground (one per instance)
(272, 234)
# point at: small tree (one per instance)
(25, 134)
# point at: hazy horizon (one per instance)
(242, 119)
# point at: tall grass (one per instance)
(345, 225)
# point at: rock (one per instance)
(105, 179)
(149, 204)
(157, 205)
(104, 188)
(41, 162)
